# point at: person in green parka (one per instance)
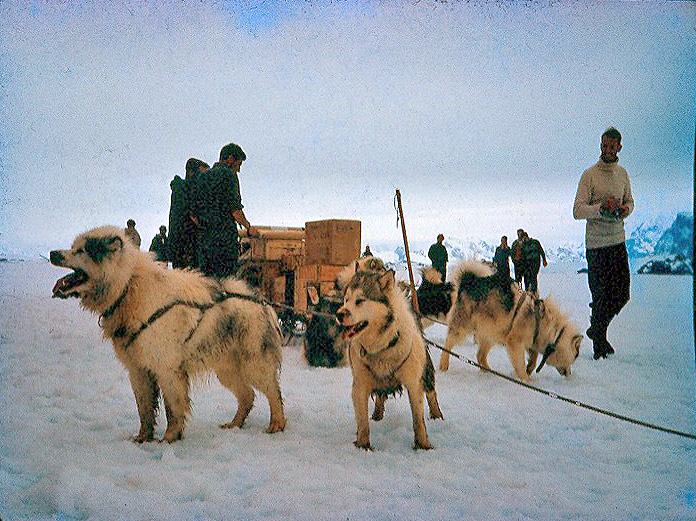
(217, 208)
(533, 255)
(182, 229)
(438, 256)
(159, 245)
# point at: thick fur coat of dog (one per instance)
(169, 326)
(386, 351)
(434, 297)
(489, 307)
(323, 346)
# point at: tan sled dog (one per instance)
(168, 326)
(490, 308)
(385, 352)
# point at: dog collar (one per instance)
(394, 341)
(550, 349)
(113, 307)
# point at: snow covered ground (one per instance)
(503, 452)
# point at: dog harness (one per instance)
(218, 298)
(364, 354)
(113, 307)
(550, 348)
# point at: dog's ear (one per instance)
(386, 281)
(100, 248)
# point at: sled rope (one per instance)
(227, 295)
(563, 398)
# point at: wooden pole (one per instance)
(414, 297)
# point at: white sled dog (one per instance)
(386, 351)
(362, 264)
(168, 326)
(489, 307)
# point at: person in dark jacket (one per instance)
(501, 258)
(533, 255)
(517, 256)
(159, 245)
(182, 229)
(217, 208)
(132, 233)
(438, 256)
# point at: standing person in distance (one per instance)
(533, 255)
(517, 257)
(159, 245)
(604, 200)
(438, 256)
(501, 258)
(132, 233)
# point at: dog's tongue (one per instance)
(59, 285)
(63, 284)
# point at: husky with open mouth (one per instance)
(386, 352)
(169, 326)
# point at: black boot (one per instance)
(597, 332)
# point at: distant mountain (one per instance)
(660, 236)
(642, 240)
(678, 239)
(460, 249)
(670, 266)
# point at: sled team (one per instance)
(169, 326)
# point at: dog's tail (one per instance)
(435, 299)
(476, 282)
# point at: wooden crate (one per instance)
(326, 287)
(275, 249)
(300, 294)
(332, 241)
(279, 289)
(269, 272)
(319, 272)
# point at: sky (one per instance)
(482, 114)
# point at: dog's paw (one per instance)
(363, 445)
(142, 438)
(422, 445)
(276, 426)
(232, 425)
(172, 436)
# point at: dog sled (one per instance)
(295, 268)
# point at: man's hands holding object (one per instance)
(612, 207)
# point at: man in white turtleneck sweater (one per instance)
(604, 199)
